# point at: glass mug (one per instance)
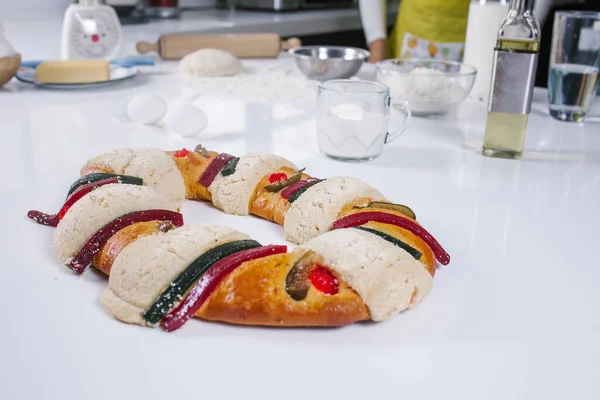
(353, 119)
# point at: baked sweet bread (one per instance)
(326, 282)
(108, 213)
(305, 208)
(264, 185)
(156, 168)
(361, 257)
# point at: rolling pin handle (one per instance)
(146, 47)
(291, 43)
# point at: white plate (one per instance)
(117, 74)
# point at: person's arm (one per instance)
(372, 14)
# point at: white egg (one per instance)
(147, 109)
(186, 120)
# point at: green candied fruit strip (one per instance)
(280, 185)
(98, 176)
(401, 208)
(409, 249)
(299, 192)
(230, 167)
(189, 276)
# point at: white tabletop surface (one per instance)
(516, 314)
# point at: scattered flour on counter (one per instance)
(273, 83)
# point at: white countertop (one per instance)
(514, 316)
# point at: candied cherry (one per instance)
(182, 153)
(277, 177)
(324, 281)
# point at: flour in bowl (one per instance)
(426, 89)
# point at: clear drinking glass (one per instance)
(574, 64)
(353, 118)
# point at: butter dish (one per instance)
(116, 74)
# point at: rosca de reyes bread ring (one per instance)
(361, 257)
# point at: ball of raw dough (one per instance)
(210, 62)
(186, 120)
(147, 109)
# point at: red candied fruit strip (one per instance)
(182, 153)
(277, 177)
(209, 282)
(362, 218)
(323, 280)
(84, 257)
(63, 211)
(53, 219)
(43, 218)
(207, 178)
(293, 188)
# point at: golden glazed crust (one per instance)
(192, 167)
(254, 294)
(268, 205)
(106, 257)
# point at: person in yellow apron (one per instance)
(432, 29)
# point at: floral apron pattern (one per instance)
(415, 47)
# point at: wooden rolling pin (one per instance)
(248, 45)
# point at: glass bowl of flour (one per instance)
(431, 87)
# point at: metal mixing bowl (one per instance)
(329, 62)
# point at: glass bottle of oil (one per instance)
(513, 77)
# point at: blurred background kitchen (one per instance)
(378, 25)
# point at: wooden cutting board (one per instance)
(246, 45)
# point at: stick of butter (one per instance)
(73, 71)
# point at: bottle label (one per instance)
(513, 78)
